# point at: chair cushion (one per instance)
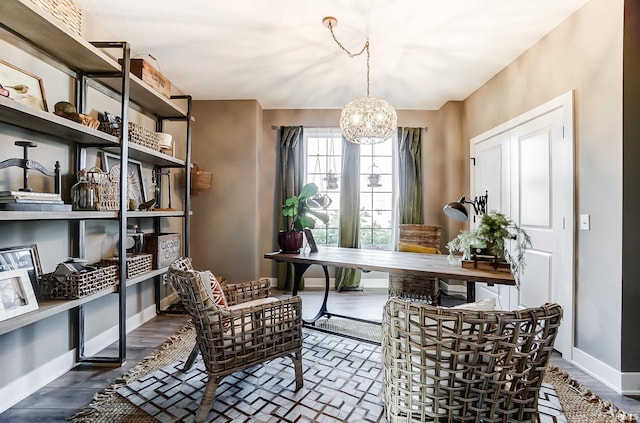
(415, 248)
(487, 304)
(253, 303)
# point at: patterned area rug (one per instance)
(341, 384)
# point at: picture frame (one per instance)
(135, 182)
(22, 86)
(16, 294)
(23, 257)
(313, 247)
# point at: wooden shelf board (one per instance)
(40, 28)
(146, 276)
(159, 213)
(53, 215)
(145, 154)
(47, 308)
(70, 132)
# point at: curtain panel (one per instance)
(290, 172)
(349, 279)
(410, 175)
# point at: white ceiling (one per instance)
(423, 52)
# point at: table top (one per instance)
(428, 265)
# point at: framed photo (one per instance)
(16, 294)
(311, 241)
(23, 87)
(135, 182)
(24, 257)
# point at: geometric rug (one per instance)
(342, 383)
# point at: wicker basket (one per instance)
(66, 11)
(137, 264)
(419, 234)
(107, 187)
(137, 134)
(78, 285)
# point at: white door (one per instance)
(534, 187)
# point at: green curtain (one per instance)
(349, 279)
(410, 175)
(290, 163)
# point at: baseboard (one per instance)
(29, 383)
(624, 383)
(169, 300)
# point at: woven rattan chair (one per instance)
(242, 335)
(416, 288)
(455, 365)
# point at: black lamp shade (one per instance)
(456, 211)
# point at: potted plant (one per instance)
(492, 236)
(300, 211)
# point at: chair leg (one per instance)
(297, 363)
(207, 399)
(192, 358)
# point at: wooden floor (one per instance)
(69, 393)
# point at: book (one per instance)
(29, 201)
(26, 195)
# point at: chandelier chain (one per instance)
(352, 55)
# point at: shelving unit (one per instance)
(94, 61)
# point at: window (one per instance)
(323, 150)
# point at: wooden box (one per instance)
(485, 262)
(143, 70)
(165, 248)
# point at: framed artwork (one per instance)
(135, 182)
(16, 294)
(311, 241)
(24, 257)
(22, 86)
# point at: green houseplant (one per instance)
(301, 212)
(493, 235)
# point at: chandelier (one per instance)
(365, 120)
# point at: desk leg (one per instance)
(471, 292)
(299, 269)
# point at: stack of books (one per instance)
(32, 201)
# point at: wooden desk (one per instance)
(427, 265)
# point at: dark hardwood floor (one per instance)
(66, 395)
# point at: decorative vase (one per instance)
(290, 242)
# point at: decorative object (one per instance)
(374, 178)
(140, 135)
(25, 198)
(300, 210)
(135, 239)
(23, 257)
(137, 264)
(16, 294)
(65, 11)
(492, 237)
(23, 86)
(457, 210)
(68, 111)
(166, 144)
(200, 180)
(366, 120)
(135, 182)
(332, 180)
(156, 182)
(165, 248)
(79, 284)
(493, 357)
(96, 190)
(149, 74)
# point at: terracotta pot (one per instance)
(290, 242)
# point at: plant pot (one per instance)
(290, 242)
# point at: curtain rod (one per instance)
(275, 127)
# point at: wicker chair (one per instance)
(416, 288)
(241, 336)
(455, 365)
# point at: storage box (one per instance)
(66, 11)
(165, 248)
(78, 285)
(143, 70)
(137, 264)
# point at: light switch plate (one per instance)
(585, 222)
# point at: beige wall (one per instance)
(576, 56)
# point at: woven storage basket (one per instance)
(137, 264)
(78, 285)
(107, 187)
(416, 288)
(137, 134)
(65, 11)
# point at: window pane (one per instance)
(382, 219)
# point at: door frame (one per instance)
(567, 156)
